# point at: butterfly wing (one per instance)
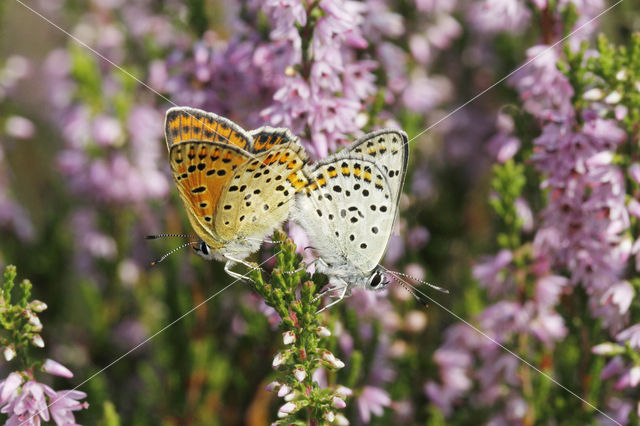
(191, 124)
(348, 211)
(389, 149)
(261, 193)
(267, 137)
(201, 170)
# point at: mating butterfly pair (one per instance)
(238, 186)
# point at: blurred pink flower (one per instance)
(372, 400)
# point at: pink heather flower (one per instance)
(420, 49)
(9, 387)
(503, 147)
(612, 368)
(548, 326)
(284, 390)
(9, 353)
(19, 127)
(630, 335)
(106, 130)
(620, 294)
(443, 31)
(331, 359)
(273, 386)
(344, 391)
(607, 348)
(52, 367)
(634, 207)
(494, 16)
(548, 290)
(372, 400)
(423, 94)
(634, 172)
(299, 374)
(29, 404)
(64, 403)
(280, 358)
(288, 337)
(524, 213)
(286, 409)
(490, 272)
(337, 402)
(359, 80)
(323, 332)
(545, 91)
(620, 112)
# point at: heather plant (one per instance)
(23, 398)
(292, 294)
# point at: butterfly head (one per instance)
(203, 250)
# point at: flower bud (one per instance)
(9, 353)
(594, 94)
(337, 402)
(37, 341)
(329, 416)
(292, 395)
(332, 360)
(37, 306)
(273, 386)
(621, 75)
(52, 367)
(280, 358)
(287, 409)
(299, 374)
(613, 98)
(284, 390)
(288, 337)
(634, 376)
(34, 321)
(323, 332)
(344, 391)
(341, 420)
(607, 349)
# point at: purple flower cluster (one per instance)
(30, 402)
(325, 95)
(582, 230)
(467, 357)
(584, 223)
(12, 214)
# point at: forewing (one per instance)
(191, 124)
(260, 194)
(266, 138)
(348, 210)
(201, 170)
(389, 149)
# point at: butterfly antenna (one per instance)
(155, 262)
(153, 237)
(410, 289)
(444, 290)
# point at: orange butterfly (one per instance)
(236, 186)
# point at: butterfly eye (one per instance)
(375, 280)
(204, 248)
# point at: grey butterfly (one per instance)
(349, 207)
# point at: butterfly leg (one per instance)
(237, 276)
(302, 268)
(344, 288)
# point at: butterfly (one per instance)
(350, 205)
(236, 186)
